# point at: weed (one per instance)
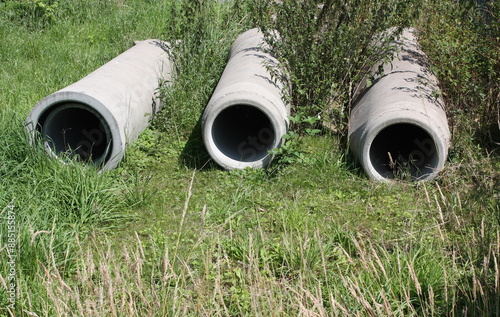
(32, 13)
(463, 44)
(291, 151)
(201, 33)
(326, 47)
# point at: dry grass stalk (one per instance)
(414, 277)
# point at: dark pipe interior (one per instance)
(243, 133)
(404, 151)
(77, 130)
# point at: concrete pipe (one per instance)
(398, 127)
(246, 116)
(96, 118)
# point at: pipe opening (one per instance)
(243, 133)
(78, 131)
(404, 151)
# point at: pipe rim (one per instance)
(227, 162)
(440, 145)
(37, 116)
(98, 142)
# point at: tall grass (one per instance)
(331, 279)
(46, 46)
(49, 202)
(201, 33)
(463, 44)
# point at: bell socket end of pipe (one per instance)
(241, 135)
(75, 130)
(404, 150)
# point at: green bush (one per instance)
(463, 45)
(32, 13)
(326, 47)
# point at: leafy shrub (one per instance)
(327, 46)
(463, 44)
(32, 13)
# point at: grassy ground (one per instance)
(169, 233)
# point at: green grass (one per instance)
(168, 233)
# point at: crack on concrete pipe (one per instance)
(246, 116)
(95, 118)
(398, 127)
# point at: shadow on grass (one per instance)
(489, 138)
(195, 155)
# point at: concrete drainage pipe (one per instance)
(398, 127)
(96, 117)
(246, 116)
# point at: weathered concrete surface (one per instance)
(398, 125)
(246, 116)
(98, 116)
